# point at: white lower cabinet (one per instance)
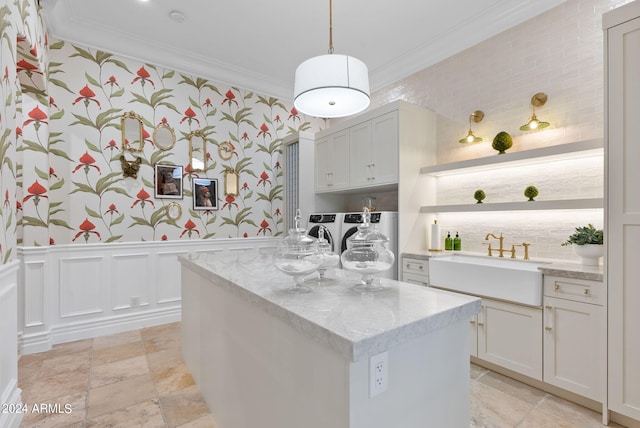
(509, 335)
(415, 271)
(574, 333)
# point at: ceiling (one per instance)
(257, 45)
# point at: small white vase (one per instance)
(589, 253)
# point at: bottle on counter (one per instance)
(448, 242)
(457, 243)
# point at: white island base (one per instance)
(265, 358)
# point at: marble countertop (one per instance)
(562, 268)
(356, 324)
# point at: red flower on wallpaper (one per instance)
(51, 241)
(277, 213)
(35, 191)
(229, 201)
(52, 173)
(264, 130)
(53, 103)
(277, 165)
(230, 98)
(264, 226)
(86, 162)
(277, 119)
(189, 228)
(190, 115)
(143, 197)
(245, 136)
(111, 145)
(112, 82)
(86, 95)
(112, 210)
(6, 203)
(86, 228)
(294, 114)
(264, 178)
(245, 186)
(5, 76)
(26, 66)
(245, 235)
(143, 76)
(36, 116)
(207, 103)
(164, 238)
(18, 132)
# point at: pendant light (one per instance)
(476, 117)
(538, 100)
(331, 85)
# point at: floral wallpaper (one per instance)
(79, 195)
(23, 61)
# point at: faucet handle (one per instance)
(489, 249)
(513, 250)
(526, 250)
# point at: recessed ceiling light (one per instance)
(177, 16)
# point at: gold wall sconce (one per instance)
(476, 117)
(538, 100)
(231, 182)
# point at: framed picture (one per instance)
(168, 179)
(205, 193)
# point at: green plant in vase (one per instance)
(502, 141)
(531, 192)
(585, 235)
(479, 196)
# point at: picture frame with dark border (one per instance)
(205, 194)
(168, 181)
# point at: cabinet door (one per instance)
(510, 335)
(360, 165)
(332, 162)
(623, 209)
(573, 342)
(384, 148)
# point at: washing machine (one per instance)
(386, 222)
(332, 225)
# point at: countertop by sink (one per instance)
(561, 268)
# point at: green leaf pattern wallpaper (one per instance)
(75, 191)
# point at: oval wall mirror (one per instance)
(131, 124)
(163, 136)
(197, 151)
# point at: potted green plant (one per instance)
(587, 242)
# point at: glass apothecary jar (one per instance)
(298, 255)
(368, 254)
(329, 258)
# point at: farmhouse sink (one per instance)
(517, 281)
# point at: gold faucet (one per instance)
(501, 239)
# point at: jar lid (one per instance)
(367, 233)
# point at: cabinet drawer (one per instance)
(579, 290)
(420, 267)
(415, 279)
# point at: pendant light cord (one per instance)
(330, 26)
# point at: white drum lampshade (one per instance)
(331, 86)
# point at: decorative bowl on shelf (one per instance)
(367, 254)
(298, 255)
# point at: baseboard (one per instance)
(11, 412)
(42, 342)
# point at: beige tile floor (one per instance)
(138, 379)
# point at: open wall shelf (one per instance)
(524, 157)
(565, 204)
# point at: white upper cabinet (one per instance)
(332, 162)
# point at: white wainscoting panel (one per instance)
(132, 279)
(73, 292)
(10, 394)
(82, 280)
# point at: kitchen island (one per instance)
(266, 358)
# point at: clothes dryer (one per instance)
(386, 222)
(332, 225)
